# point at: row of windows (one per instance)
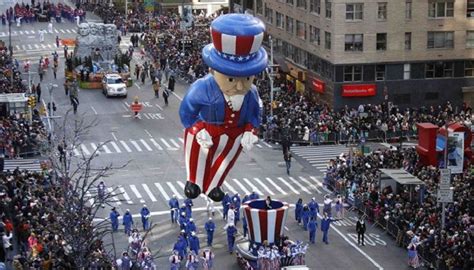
(354, 73)
(435, 40)
(355, 11)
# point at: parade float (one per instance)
(97, 53)
(266, 246)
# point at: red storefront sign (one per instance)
(318, 85)
(359, 90)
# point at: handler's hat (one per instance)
(236, 45)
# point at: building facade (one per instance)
(411, 52)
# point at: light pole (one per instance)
(10, 48)
(271, 75)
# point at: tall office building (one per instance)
(413, 52)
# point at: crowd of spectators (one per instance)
(7, 67)
(41, 11)
(411, 211)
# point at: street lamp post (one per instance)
(271, 75)
(10, 48)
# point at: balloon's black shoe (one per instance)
(216, 194)
(192, 190)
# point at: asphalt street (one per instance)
(153, 146)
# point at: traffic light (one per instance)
(32, 101)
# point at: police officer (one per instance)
(325, 224)
(114, 219)
(189, 204)
(306, 215)
(299, 210)
(231, 232)
(210, 226)
(174, 206)
(313, 208)
(127, 222)
(225, 204)
(312, 225)
(145, 213)
(194, 242)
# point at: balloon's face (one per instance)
(232, 86)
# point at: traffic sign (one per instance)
(445, 179)
(445, 195)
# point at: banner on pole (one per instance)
(456, 151)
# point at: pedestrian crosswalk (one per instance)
(140, 145)
(163, 191)
(22, 164)
(56, 31)
(319, 156)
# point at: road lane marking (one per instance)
(228, 186)
(264, 186)
(67, 30)
(37, 46)
(181, 140)
(137, 194)
(167, 144)
(174, 143)
(156, 144)
(49, 46)
(105, 148)
(126, 146)
(43, 46)
(319, 184)
(254, 188)
(84, 150)
(95, 148)
(91, 200)
(175, 191)
(62, 31)
(125, 195)
(162, 190)
(178, 97)
(18, 47)
(56, 30)
(242, 187)
(117, 149)
(310, 184)
(148, 191)
(135, 144)
(113, 135)
(258, 145)
(299, 185)
(269, 180)
(149, 134)
(267, 144)
(146, 145)
(30, 47)
(76, 152)
(288, 185)
(159, 107)
(114, 196)
(146, 115)
(95, 112)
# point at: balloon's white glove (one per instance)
(248, 140)
(204, 139)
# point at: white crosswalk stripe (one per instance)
(319, 156)
(62, 30)
(95, 148)
(162, 190)
(146, 145)
(67, 30)
(141, 145)
(56, 30)
(84, 150)
(148, 192)
(175, 192)
(133, 193)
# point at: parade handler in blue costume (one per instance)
(221, 112)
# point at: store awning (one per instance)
(400, 176)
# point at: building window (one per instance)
(470, 39)
(327, 40)
(382, 11)
(353, 73)
(408, 9)
(289, 25)
(441, 8)
(354, 12)
(269, 14)
(406, 71)
(380, 72)
(259, 7)
(300, 29)
(469, 68)
(440, 40)
(470, 9)
(301, 3)
(381, 41)
(354, 43)
(289, 2)
(439, 70)
(279, 20)
(327, 5)
(407, 41)
(315, 6)
(314, 35)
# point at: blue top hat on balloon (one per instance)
(236, 46)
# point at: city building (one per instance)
(410, 52)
